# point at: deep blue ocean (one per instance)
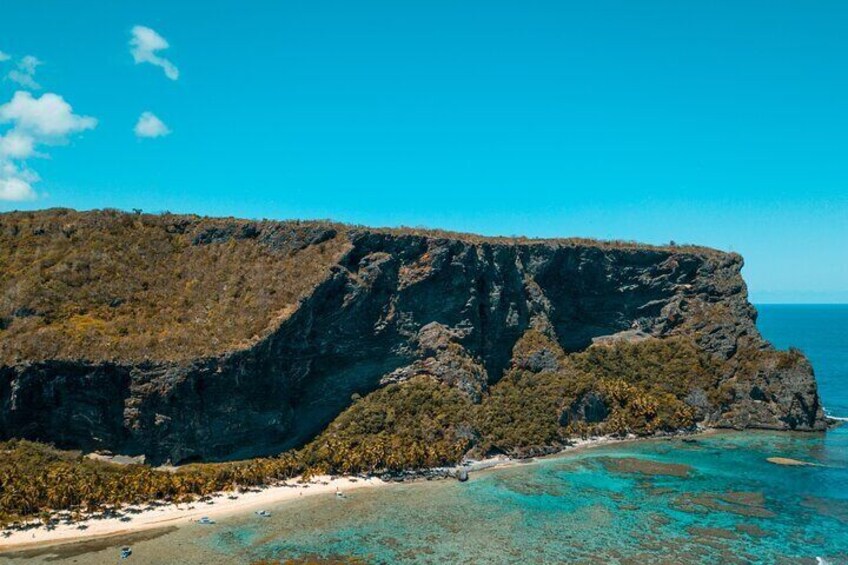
(715, 499)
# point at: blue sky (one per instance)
(719, 123)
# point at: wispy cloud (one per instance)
(24, 74)
(48, 120)
(144, 45)
(149, 125)
(4, 57)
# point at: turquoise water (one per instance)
(714, 500)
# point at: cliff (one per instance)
(185, 338)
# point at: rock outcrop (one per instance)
(386, 306)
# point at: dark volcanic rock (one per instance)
(591, 409)
(778, 393)
(443, 357)
(400, 304)
(539, 361)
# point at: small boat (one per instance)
(126, 552)
(263, 514)
(206, 521)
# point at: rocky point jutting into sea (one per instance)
(184, 338)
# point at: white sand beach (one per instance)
(132, 519)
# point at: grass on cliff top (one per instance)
(107, 285)
(126, 287)
(434, 233)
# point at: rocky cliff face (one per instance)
(391, 305)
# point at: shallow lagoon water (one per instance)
(714, 500)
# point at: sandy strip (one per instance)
(182, 514)
(791, 462)
(266, 498)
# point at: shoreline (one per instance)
(133, 519)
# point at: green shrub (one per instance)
(416, 424)
(534, 408)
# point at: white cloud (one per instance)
(16, 145)
(47, 120)
(46, 117)
(4, 57)
(16, 189)
(149, 125)
(24, 74)
(16, 182)
(144, 44)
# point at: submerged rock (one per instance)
(791, 462)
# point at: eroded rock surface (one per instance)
(391, 305)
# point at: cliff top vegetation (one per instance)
(113, 286)
(128, 287)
